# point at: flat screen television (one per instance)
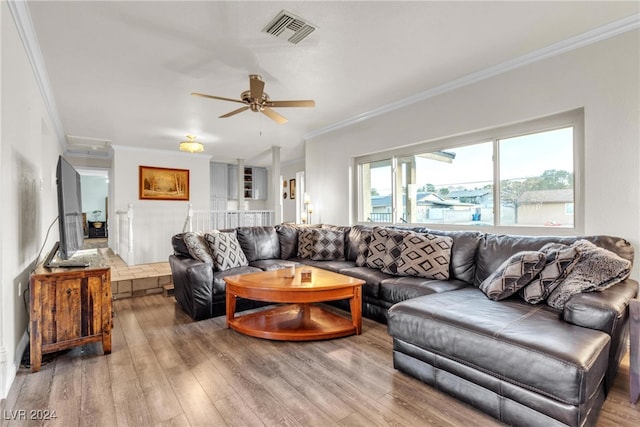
(69, 209)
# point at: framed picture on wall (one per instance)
(163, 183)
(292, 189)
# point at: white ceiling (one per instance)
(123, 71)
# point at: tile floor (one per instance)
(136, 280)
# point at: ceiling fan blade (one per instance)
(300, 103)
(234, 112)
(256, 87)
(217, 97)
(278, 118)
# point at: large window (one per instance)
(521, 175)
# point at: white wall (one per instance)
(603, 78)
(289, 171)
(155, 221)
(28, 156)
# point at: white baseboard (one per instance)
(8, 372)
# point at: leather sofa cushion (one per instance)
(259, 242)
(220, 286)
(372, 276)
(463, 253)
(179, 245)
(334, 266)
(288, 239)
(509, 340)
(399, 289)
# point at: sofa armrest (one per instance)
(601, 310)
(193, 286)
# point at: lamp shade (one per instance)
(192, 146)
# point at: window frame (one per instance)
(573, 118)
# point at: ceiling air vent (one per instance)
(288, 26)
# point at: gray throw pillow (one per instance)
(559, 262)
(197, 247)
(363, 248)
(513, 274)
(596, 270)
(328, 245)
(393, 254)
(226, 250)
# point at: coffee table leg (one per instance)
(356, 309)
(231, 307)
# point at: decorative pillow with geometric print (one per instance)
(425, 255)
(377, 247)
(226, 250)
(559, 261)
(305, 242)
(197, 247)
(328, 245)
(393, 255)
(513, 274)
(363, 248)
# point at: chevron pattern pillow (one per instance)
(226, 250)
(305, 242)
(559, 262)
(424, 255)
(328, 245)
(513, 274)
(198, 247)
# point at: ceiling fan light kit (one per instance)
(192, 146)
(258, 101)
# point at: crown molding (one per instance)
(592, 36)
(20, 13)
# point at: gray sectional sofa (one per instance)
(522, 363)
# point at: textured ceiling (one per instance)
(123, 71)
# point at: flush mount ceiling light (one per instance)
(192, 146)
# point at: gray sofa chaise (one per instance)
(522, 363)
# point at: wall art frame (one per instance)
(155, 183)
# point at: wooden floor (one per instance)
(166, 370)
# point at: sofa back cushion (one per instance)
(463, 253)
(495, 249)
(288, 239)
(179, 246)
(259, 242)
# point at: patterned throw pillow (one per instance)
(305, 242)
(377, 247)
(226, 250)
(425, 255)
(558, 263)
(197, 247)
(328, 245)
(363, 248)
(393, 255)
(513, 274)
(596, 269)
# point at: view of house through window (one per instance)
(530, 184)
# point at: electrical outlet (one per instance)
(19, 288)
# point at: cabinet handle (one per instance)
(68, 291)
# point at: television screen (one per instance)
(69, 209)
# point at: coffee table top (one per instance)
(275, 280)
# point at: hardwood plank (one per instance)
(166, 370)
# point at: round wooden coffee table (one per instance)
(298, 319)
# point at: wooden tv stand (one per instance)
(70, 307)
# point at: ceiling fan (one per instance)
(258, 100)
